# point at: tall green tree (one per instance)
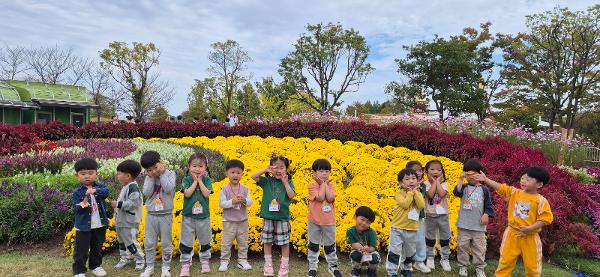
(160, 114)
(139, 91)
(279, 100)
(197, 106)
(326, 63)
(247, 102)
(556, 63)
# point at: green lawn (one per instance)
(13, 264)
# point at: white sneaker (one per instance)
(420, 266)
(165, 272)
(223, 266)
(479, 272)
(463, 271)
(445, 265)
(244, 265)
(79, 275)
(148, 272)
(140, 265)
(122, 263)
(99, 272)
(431, 263)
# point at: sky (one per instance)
(184, 30)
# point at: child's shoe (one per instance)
(420, 266)
(244, 265)
(79, 275)
(268, 270)
(355, 272)
(445, 265)
(165, 271)
(406, 273)
(122, 263)
(185, 270)
(431, 263)
(223, 266)
(139, 265)
(283, 270)
(463, 271)
(205, 267)
(99, 272)
(148, 272)
(371, 272)
(333, 270)
(312, 273)
(479, 272)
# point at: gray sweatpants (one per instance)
(403, 246)
(439, 225)
(317, 236)
(192, 228)
(128, 243)
(158, 225)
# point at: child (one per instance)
(321, 219)
(528, 212)
(278, 191)
(436, 220)
(128, 213)
(197, 187)
(363, 240)
(475, 210)
(159, 190)
(405, 223)
(90, 219)
(421, 248)
(235, 200)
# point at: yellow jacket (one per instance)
(405, 202)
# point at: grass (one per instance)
(15, 264)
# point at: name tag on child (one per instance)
(366, 258)
(158, 205)
(326, 207)
(413, 215)
(274, 206)
(197, 209)
(467, 205)
(439, 209)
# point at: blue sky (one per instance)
(183, 30)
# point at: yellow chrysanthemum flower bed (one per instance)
(364, 174)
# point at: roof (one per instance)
(57, 95)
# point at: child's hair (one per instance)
(406, 172)
(149, 158)
(432, 162)
(285, 161)
(472, 165)
(131, 167)
(411, 164)
(365, 212)
(321, 164)
(198, 156)
(234, 164)
(86, 164)
(539, 173)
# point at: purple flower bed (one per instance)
(53, 162)
(595, 171)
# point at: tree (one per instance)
(405, 95)
(13, 62)
(50, 64)
(140, 91)
(247, 102)
(556, 64)
(227, 65)
(326, 50)
(160, 114)
(279, 100)
(197, 106)
(97, 81)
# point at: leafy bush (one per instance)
(581, 174)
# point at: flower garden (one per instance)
(365, 160)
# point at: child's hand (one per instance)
(90, 191)
(84, 203)
(270, 169)
(480, 177)
(161, 169)
(284, 178)
(113, 204)
(485, 219)
(463, 175)
(524, 231)
(194, 177)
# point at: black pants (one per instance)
(88, 241)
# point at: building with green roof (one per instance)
(23, 102)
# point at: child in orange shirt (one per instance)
(528, 212)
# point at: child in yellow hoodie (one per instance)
(528, 212)
(405, 224)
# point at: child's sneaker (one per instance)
(139, 265)
(165, 272)
(122, 263)
(463, 271)
(334, 271)
(479, 272)
(79, 275)
(371, 272)
(99, 272)
(185, 270)
(283, 270)
(420, 266)
(244, 265)
(355, 272)
(312, 273)
(223, 267)
(406, 273)
(205, 267)
(148, 272)
(445, 265)
(431, 263)
(268, 270)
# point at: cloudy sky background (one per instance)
(183, 30)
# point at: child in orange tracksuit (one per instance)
(528, 212)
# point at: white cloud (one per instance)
(267, 29)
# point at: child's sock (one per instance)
(269, 260)
(285, 260)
